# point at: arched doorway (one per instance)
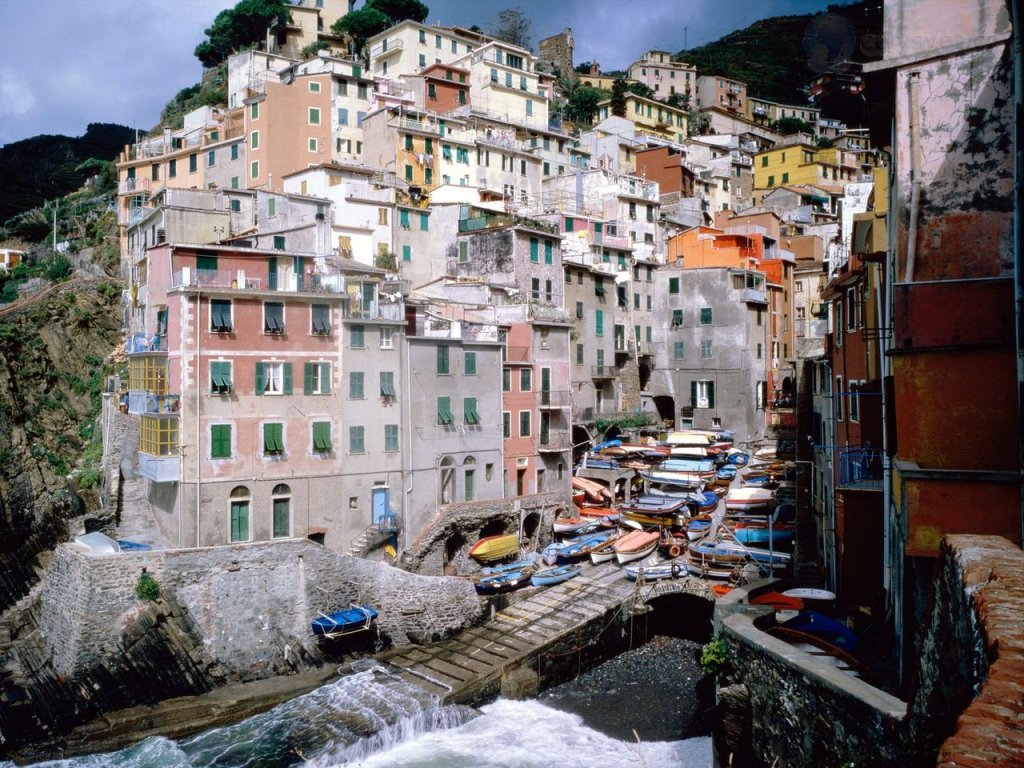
(447, 489)
(282, 502)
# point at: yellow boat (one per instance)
(492, 548)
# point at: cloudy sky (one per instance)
(68, 63)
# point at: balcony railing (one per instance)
(603, 372)
(150, 404)
(386, 47)
(238, 280)
(554, 440)
(860, 466)
(555, 398)
(356, 309)
(127, 216)
(615, 241)
(136, 185)
(754, 296)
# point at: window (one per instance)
(650, 303)
(254, 140)
(211, 158)
(193, 163)
(423, 61)
(579, 354)
(424, 222)
(854, 400)
(469, 367)
(387, 384)
(254, 169)
(506, 424)
(839, 323)
(677, 318)
(281, 499)
(548, 252)
(311, 145)
(673, 285)
(314, 116)
(408, 173)
(547, 291)
(469, 412)
(677, 350)
(390, 437)
(759, 350)
(387, 338)
(406, 253)
(273, 317)
(403, 219)
(851, 310)
(442, 360)
(771, 181)
(220, 377)
(240, 513)
(220, 316)
(702, 394)
(535, 288)
(172, 168)
(220, 441)
(599, 322)
(506, 379)
(444, 411)
(322, 437)
(632, 210)
(463, 251)
(273, 439)
(524, 423)
(320, 316)
(356, 440)
(273, 378)
(254, 111)
(525, 379)
(705, 316)
(355, 385)
(278, 242)
(705, 350)
(356, 336)
(579, 310)
(236, 205)
(839, 394)
(785, 178)
(534, 250)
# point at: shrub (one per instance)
(714, 659)
(146, 587)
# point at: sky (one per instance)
(68, 63)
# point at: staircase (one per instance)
(367, 540)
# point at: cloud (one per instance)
(17, 98)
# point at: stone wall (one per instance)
(445, 541)
(251, 603)
(975, 648)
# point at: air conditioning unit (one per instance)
(161, 235)
(702, 402)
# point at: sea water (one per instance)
(375, 720)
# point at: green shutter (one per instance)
(424, 222)
(325, 379)
(534, 249)
(260, 379)
(322, 436)
(308, 378)
(444, 410)
(711, 394)
(548, 259)
(469, 410)
(220, 441)
(470, 363)
(287, 378)
(693, 394)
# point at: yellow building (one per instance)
(651, 117)
(828, 168)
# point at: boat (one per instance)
(654, 509)
(727, 473)
(758, 480)
(555, 575)
(698, 527)
(593, 491)
(527, 562)
(569, 524)
(813, 597)
(346, 622)
(746, 500)
(759, 533)
(737, 458)
(578, 547)
(491, 548)
(704, 570)
(704, 503)
(666, 569)
(778, 601)
(601, 512)
(636, 545)
(723, 552)
(703, 467)
(831, 631)
(505, 581)
(673, 544)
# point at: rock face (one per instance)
(53, 349)
(88, 645)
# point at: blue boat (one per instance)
(830, 630)
(738, 459)
(518, 565)
(578, 546)
(728, 472)
(505, 581)
(704, 502)
(555, 575)
(760, 481)
(668, 569)
(346, 622)
(759, 535)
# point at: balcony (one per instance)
(633, 187)
(358, 309)
(160, 469)
(159, 459)
(554, 440)
(558, 398)
(754, 296)
(860, 467)
(150, 404)
(603, 372)
(128, 186)
(583, 414)
(423, 126)
(386, 47)
(642, 348)
(128, 216)
(239, 280)
(614, 241)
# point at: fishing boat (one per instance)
(636, 545)
(724, 552)
(699, 567)
(738, 458)
(505, 581)
(698, 527)
(747, 500)
(666, 569)
(527, 562)
(727, 473)
(491, 548)
(555, 575)
(831, 631)
(654, 509)
(346, 622)
(569, 524)
(704, 503)
(760, 533)
(673, 544)
(593, 491)
(701, 466)
(578, 547)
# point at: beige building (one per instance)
(763, 111)
(652, 117)
(504, 84)
(409, 47)
(722, 92)
(661, 74)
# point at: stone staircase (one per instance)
(366, 541)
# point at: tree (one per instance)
(243, 26)
(359, 26)
(376, 16)
(400, 10)
(513, 27)
(644, 91)
(583, 68)
(679, 100)
(619, 97)
(699, 123)
(582, 105)
(790, 125)
(312, 49)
